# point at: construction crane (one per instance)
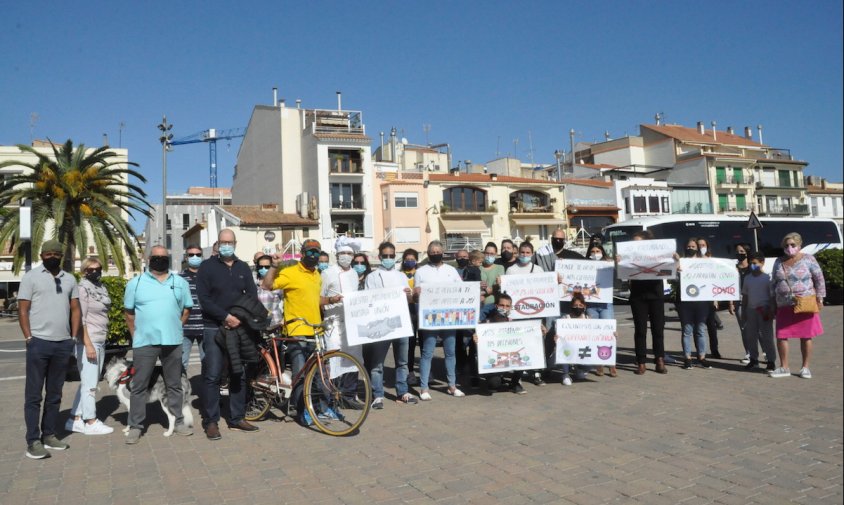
(211, 136)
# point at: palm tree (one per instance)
(68, 191)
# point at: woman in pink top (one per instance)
(796, 274)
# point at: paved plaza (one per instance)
(702, 436)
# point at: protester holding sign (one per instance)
(436, 272)
(495, 381)
(758, 314)
(577, 311)
(386, 276)
(743, 253)
(490, 272)
(601, 310)
(713, 322)
(693, 313)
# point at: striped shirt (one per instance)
(193, 327)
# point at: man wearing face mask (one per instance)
(508, 254)
(501, 314)
(156, 303)
(469, 273)
(50, 320)
(193, 328)
(547, 255)
(221, 281)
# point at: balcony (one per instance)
(351, 205)
(775, 186)
(487, 210)
(735, 182)
(336, 121)
(779, 154)
(345, 167)
(786, 210)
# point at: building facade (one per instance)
(182, 213)
(826, 199)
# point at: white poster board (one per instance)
(586, 341)
(592, 279)
(708, 279)
(514, 345)
(647, 259)
(373, 315)
(454, 305)
(534, 295)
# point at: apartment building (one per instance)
(826, 198)
(182, 212)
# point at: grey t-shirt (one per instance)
(49, 314)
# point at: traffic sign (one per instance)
(753, 223)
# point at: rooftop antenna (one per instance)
(530, 147)
(516, 148)
(426, 127)
(498, 148)
(33, 118)
(120, 128)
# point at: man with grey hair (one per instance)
(157, 303)
(50, 319)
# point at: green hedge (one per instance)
(118, 332)
(830, 261)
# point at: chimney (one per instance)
(339, 101)
(607, 136)
(730, 130)
(105, 139)
(759, 127)
(700, 128)
(658, 119)
(275, 97)
(381, 151)
(393, 154)
(823, 183)
(281, 103)
(714, 132)
(298, 103)
(748, 133)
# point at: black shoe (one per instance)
(687, 364)
(518, 389)
(751, 365)
(243, 426)
(720, 326)
(704, 364)
(537, 380)
(412, 380)
(475, 383)
(771, 366)
(715, 355)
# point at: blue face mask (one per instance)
(360, 269)
(262, 272)
(524, 260)
(226, 251)
(409, 264)
(322, 266)
(194, 261)
(754, 267)
(388, 263)
(490, 259)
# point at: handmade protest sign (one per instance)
(534, 295)
(708, 279)
(647, 259)
(373, 315)
(514, 345)
(586, 341)
(592, 279)
(449, 305)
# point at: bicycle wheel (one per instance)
(260, 389)
(337, 393)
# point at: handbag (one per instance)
(801, 304)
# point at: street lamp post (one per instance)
(165, 139)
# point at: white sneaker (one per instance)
(566, 380)
(456, 393)
(780, 372)
(75, 425)
(97, 428)
(745, 360)
(425, 397)
(805, 373)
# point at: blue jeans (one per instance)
(212, 373)
(600, 311)
(375, 355)
(85, 401)
(187, 345)
(693, 316)
(429, 343)
(46, 368)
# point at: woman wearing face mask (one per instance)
(693, 319)
(410, 257)
(713, 321)
(525, 265)
(270, 299)
(360, 264)
(90, 352)
(600, 310)
(490, 272)
(743, 254)
(796, 274)
(577, 310)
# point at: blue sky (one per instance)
(480, 73)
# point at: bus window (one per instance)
(617, 234)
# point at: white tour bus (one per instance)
(724, 232)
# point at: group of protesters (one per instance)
(172, 312)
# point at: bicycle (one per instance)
(336, 387)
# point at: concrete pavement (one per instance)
(701, 436)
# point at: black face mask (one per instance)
(741, 257)
(507, 256)
(558, 244)
(577, 311)
(435, 259)
(94, 277)
(691, 253)
(159, 263)
(310, 261)
(52, 263)
(462, 262)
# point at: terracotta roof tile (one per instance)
(827, 190)
(691, 135)
(261, 215)
(479, 178)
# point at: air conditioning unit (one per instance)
(302, 204)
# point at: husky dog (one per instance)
(118, 376)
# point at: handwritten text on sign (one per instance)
(647, 259)
(514, 345)
(534, 295)
(592, 279)
(708, 279)
(373, 315)
(586, 341)
(449, 305)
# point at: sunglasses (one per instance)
(358, 263)
(194, 255)
(388, 256)
(93, 270)
(58, 284)
(313, 253)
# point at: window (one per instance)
(639, 204)
(464, 199)
(529, 201)
(627, 205)
(720, 175)
(406, 200)
(185, 221)
(741, 202)
(722, 203)
(406, 235)
(666, 207)
(346, 196)
(653, 204)
(169, 225)
(784, 178)
(344, 162)
(738, 176)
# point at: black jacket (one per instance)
(218, 286)
(241, 343)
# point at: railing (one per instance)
(779, 154)
(353, 205)
(800, 209)
(688, 208)
(733, 180)
(345, 167)
(337, 121)
(777, 185)
(462, 242)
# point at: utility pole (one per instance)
(165, 139)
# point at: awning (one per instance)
(528, 221)
(464, 226)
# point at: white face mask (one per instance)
(702, 251)
(344, 260)
(595, 257)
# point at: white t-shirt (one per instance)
(757, 288)
(436, 275)
(519, 269)
(383, 278)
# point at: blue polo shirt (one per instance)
(158, 307)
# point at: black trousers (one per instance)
(644, 311)
(712, 322)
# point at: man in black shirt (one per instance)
(193, 327)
